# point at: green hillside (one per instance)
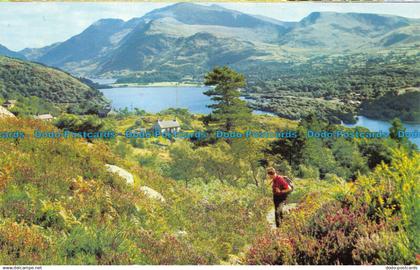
(405, 106)
(25, 80)
(339, 86)
(60, 205)
(181, 199)
(195, 55)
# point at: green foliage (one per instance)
(344, 157)
(315, 155)
(235, 164)
(404, 106)
(26, 80)
(79, 123)
(214, 162)
(228, 109)
(32, 105)
(372, 222)
(308, 172)
(122, 149)
(295, 89)
(60, 205)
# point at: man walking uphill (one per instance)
(281, 189)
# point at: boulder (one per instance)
(5, 113)
(152, 194)
(128, 177)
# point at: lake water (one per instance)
(156, 99)
(379, 125)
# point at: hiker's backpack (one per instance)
(289, 182)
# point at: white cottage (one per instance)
(167, 126)
(44, 117)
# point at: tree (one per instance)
(228, 109)
(395, 129)
(184, 162)
(218, 163)
(250, 151)
(397, 126)
(317, 155)
(79, 124)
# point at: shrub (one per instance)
(167, 250)
(308, 172)
(22, 244)
(270, 249)
(285, 168)
(385, 247)
(87, 245)
(20, 204)
(371, 221)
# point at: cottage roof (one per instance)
(168, 123)
(44, 116)
(10, 101)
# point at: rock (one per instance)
(128, 177)
(181, 233)
(151, 193)
(5, 113)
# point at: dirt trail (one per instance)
(286, 209)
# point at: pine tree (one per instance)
(228, 109)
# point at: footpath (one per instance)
(270, 215)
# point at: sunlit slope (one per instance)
(23, 78)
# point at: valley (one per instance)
(292, 68)
(83, 181)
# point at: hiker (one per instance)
(281, 189)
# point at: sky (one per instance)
(38, 24)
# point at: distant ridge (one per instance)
(188, 38)
(6, 52)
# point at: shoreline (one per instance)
(157, 84)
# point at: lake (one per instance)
(156, 99)
(378, 125)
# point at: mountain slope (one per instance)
(21, 78)
(97, 39)
(36, 53)
(150, 49)
(342, 30)
(189, 13)
(158, 42)
(409, 35)
(6, 52)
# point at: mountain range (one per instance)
(184, 40)
(6, 52)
